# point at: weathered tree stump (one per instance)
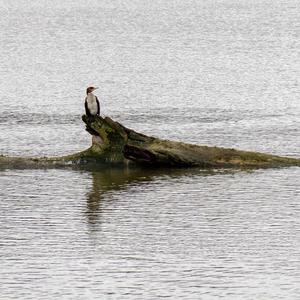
(114, 144)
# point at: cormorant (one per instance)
(92, 105)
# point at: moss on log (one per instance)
(114, 144)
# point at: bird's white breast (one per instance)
(92, 104)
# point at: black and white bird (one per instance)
(92, 105)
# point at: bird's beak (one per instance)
(96, 88)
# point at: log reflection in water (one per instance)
(117, 179)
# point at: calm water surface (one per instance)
(222, 73)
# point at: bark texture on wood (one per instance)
(118, 144)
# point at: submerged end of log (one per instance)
(115, 144)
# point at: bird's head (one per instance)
(90, 89)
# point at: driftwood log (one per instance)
(114, 144)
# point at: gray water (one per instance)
(222, 73)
